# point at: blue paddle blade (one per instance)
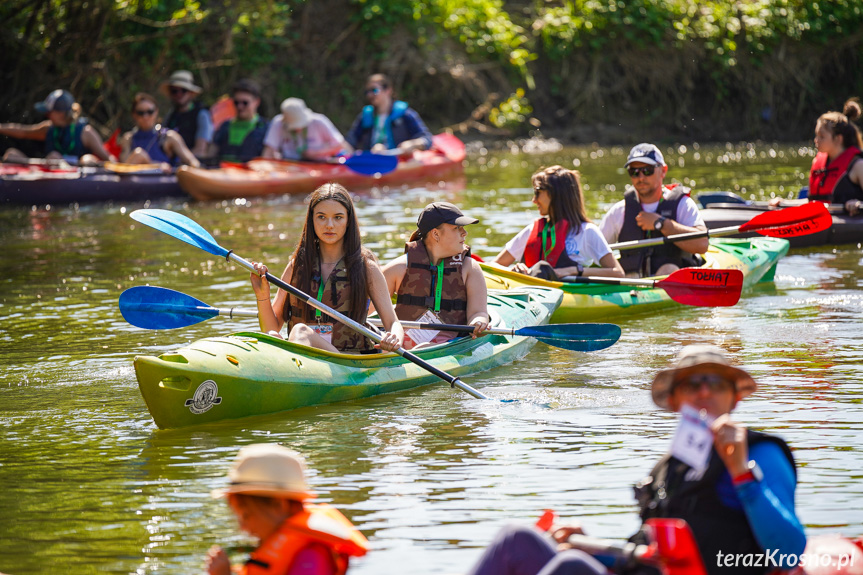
(181, 227)
(575, 336)
(370, 164)
(159, 308)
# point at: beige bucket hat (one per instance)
(694, 358)
(295, 114)
(180, 79)
(270, 470)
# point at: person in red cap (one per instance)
(436, 280)
(268, 493)
(732, 485)
(67, 136)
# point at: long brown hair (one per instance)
(308, 254)
(564, 188)
(842, 124)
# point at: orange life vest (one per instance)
(547, 248)
(823, 177)
(316, 524)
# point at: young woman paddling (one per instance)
(436, 280)
(836, 175)
(268, 494)
(331, 265)
(562, 242)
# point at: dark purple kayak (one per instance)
(28, 188)
(719, 212)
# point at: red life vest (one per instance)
(824, 176)
(535, 251)
(316, 524)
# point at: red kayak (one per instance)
(267, 177)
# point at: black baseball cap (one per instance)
(57, 101)
(438, 213)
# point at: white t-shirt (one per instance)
(612, 223)
(321, 139)
(585, 246)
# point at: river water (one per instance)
(429, 475)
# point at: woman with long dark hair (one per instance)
(562, 241)
(331, 265)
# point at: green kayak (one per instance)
(755, 257)
(248, 374)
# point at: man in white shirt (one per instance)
(649, 209)
(300, 134)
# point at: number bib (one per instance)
(325, 330)
(419, 336)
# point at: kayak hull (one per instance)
(30, 187)
(756, 258)
(248, 374)
(264, 178)
(845, 229)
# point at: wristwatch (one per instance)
(657, 225)
(752, 473)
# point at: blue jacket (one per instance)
(402, 124)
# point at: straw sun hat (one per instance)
(696, 358)
(270, 470)
(295, 114)
(181, 79)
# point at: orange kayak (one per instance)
(265, 177)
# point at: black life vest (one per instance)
(825, 177)
(636, 260)
(416, 293)
(337, 295)
(667, 493)
(250, 148)
(185, 123)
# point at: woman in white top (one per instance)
(300, 134)
(562, 242)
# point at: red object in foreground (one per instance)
(704, 287)
(675, 547)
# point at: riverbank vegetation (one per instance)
(583, 70)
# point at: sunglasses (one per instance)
(646, 171)
(536, 192)
(373, 91)
(177, 91)
(242, 103)
(714, 382)
(149, 112)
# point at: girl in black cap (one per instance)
(436, 280)
(332, 266)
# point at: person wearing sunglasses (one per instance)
(562, 241)
(736, 492)
(651, 209)
(149, 142)
(67, 136)
(189, 117)
(300, 134)
(241, 138)
(386, 123)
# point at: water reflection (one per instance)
(430, 474)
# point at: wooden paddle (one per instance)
(184, 229)
(705, 287)
(789, 222)
(161, 308)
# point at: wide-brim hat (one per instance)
(646, 154)
(699, 358)
(438, 213)
(57, 101)
(180, 79)
(269, 470)
(295, 114)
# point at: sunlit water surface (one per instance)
(429, 475)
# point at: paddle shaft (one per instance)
(305, 298)
(450, 327)
(610, 281)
